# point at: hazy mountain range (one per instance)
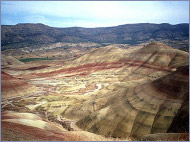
(21, 35)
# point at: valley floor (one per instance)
(92, 98)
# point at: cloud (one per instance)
(95, 13)
(35, 19)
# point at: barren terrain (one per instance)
(100, 93)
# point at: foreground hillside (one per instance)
(108, 93)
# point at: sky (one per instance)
(93, 13)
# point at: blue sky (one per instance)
(93, 13)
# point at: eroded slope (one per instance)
(115, 92)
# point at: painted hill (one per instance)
(9, 60)
(149, 59)
(153, 56)
(148, 108)
(29, 126)
(14, 87)
(115, 92)
(143, 102)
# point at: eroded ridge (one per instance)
(120, 94)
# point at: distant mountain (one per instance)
(21, 35)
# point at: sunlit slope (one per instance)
(101, 55)
(30, 127)
(9, 60)
(161, 55)
(153, 57)
(14, 87)
(148, 59)
(155, 54)
(144, 109)
(122, 109)
(119, 92)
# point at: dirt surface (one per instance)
(108, 93)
